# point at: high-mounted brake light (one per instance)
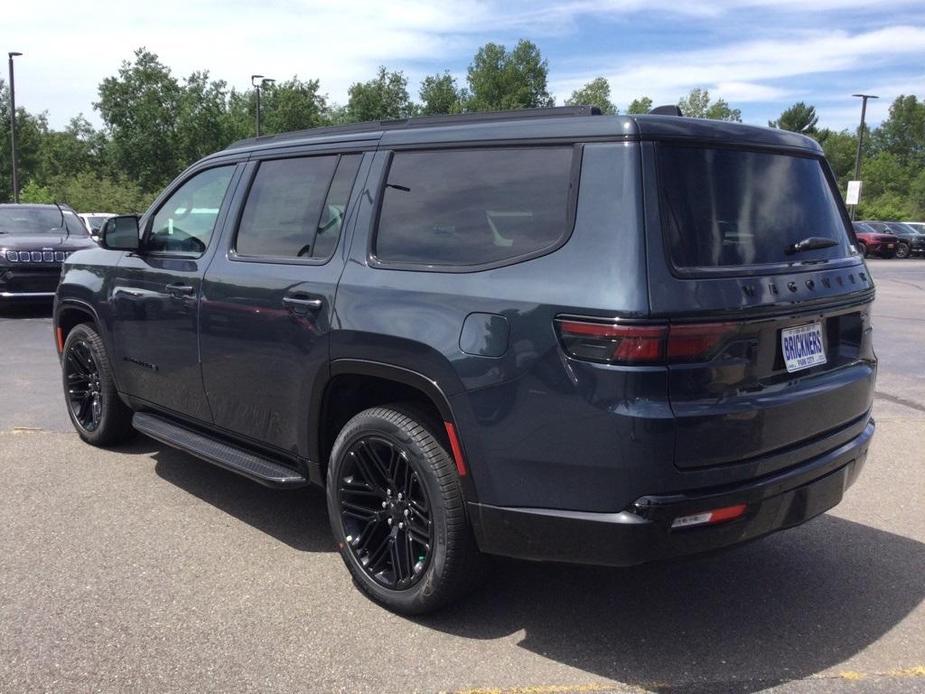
(642, 344)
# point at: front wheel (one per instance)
(902, 250)
(396, 507)
(96, 411)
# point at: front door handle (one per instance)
(179, 289)
(294, 301)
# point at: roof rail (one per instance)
(424, 122)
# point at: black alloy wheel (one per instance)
(82, 376)
(902, 250)
(386, 513)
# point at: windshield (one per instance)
(30, 220)
(731, 207)
(96, 222)
(900, 229)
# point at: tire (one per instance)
(902, 251)
(862, 249)
(387, 464)
(95, 408)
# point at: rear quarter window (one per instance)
(471, 208)
(728, 207)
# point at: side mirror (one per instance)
(120, 233)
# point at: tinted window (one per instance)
(724, 207)
(471, 207)
(295, 209)
(185, 222)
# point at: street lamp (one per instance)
(258, 81)
(11, 55)
(857, 157)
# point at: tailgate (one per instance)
(744, 402)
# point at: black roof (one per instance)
(568, 122)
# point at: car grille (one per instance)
(42, 256)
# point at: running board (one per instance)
(228, 456)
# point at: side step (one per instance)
(218, 453)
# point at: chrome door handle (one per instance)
(313, 304)
(179, 289)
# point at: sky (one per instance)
(759, 55)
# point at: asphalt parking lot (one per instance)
(143, 569)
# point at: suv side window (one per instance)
(295, 207)
(185, 222)
(474, 207)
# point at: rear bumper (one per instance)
(643, 532)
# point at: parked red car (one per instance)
(871, 242)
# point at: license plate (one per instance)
(889, 245)
(802, 346)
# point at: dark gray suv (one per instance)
(552, 335)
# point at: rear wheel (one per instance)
(902, 250)
(96, 411)
(396, 508)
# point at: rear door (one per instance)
(268, 299)
(751, 262)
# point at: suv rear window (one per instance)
(474, 207)
(729, 207)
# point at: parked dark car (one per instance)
(34, 241)
(875, 243)
(550, 334)
(909, 241)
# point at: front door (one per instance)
(155, 293)
(268, 302)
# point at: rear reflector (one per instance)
(59, 339)
(455, 448)
(717, 515)
(619, 343)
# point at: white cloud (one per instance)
(71, 46)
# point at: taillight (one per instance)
(620, 343)
(613, 342)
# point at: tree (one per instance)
(383, 98)
(594, 93)
(840, 148)
(697, 104)
(30, 130)
(903, 132)
(640, 106)
(501, 80)
(88, 192)
(140, 107)
(799, 118)
(292, 105)
(201, 122)
(439, 95)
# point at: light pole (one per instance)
(11, 55)
(257, 82)
(857, 157)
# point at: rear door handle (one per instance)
(179, 289)
(295, 301)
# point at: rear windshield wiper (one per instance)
(811, 243)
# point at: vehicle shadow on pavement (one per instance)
(297, 517)
(773, 611)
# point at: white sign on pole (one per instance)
(854, 193)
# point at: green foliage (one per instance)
(903, 132)
(86, 192)
(799, 118)
(140, 107)
(594, 93)
(439, 95)
(640, 106)
(840, 149)
(384, 97)
(698, 104)
(292, 105)
(502, 80)
(30, 130)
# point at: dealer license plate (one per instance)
(802, 346)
